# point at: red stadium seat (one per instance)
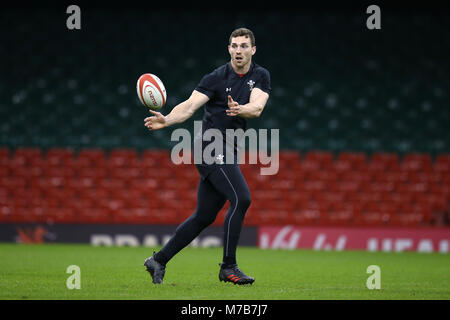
(59, 157)
(436, 203)
(130, 216)
(95, 173)
(123, 153)
(442, 163)
(392, 176)
(273, 217)
(390, 161)
(407, 220)
(323, 158)
(331, 197)
(376, 168)
(94, 215)
(289, 159)
(5, 157)
(119, 158)
(336, 218)
(111, 184)
(91, 158)
(304, 217)
(251, 217)
(4, 152)
(164, 216)
(356, 176)
(342, 166)
(373, 218)
(26, 157)
(357, 159)
(312, 186)
(322, 175)
(6, 211)
(443, 158)
(27, 215)
(60, 215)
(416, 162)
(28, 153)
(156, 156)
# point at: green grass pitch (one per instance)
(39, 272)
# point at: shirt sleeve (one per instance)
(206, 85)
(263, 81)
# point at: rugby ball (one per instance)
(151, 91)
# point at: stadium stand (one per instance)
(363, 117)
(121, 186)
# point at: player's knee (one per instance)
(245, 200)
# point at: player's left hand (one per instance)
(234, 108)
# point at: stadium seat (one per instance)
(442, 163)
(336, 218)
(323, 158)
(59, 157)
(27, 153)
(289, 159)
(407, 220)
(94, 215)
(390, 161)
(4, 153)
(60, 215)
(416, 162)
(374, 218)
(305, 217)
(322, 175)
(357, 159)
(92, 157)
(27, 215)
(119, 158)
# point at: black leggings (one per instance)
(224, 183)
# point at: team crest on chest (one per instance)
(251, 83)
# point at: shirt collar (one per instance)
(230, 68)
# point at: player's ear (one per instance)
(253, 50)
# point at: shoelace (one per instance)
(238, 273)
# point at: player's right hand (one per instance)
(233, 107)
(155, 122)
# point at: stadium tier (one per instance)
(316, 188)
(335, 85)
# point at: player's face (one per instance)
(241, 52)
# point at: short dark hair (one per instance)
(243, 32)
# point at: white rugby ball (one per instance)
(151, 91)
